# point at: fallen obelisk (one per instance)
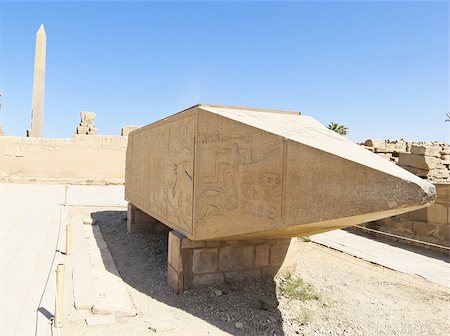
(236, 183)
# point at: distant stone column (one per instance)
(37, 112)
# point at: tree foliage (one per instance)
(338, 128)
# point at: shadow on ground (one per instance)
(239, 308)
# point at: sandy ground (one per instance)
(355, 296)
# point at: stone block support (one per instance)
(193, 264)
(140, 222)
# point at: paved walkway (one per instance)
(399, 259)
(30, 217)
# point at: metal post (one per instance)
(59, 300)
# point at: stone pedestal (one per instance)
(193, 264)
(139, 222)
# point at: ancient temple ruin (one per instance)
(86, 125)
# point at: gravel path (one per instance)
(355, 297)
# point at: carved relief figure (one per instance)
(178, 199)
(232, 186)
(220, 191)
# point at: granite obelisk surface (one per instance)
(221, 172)
(37, 112)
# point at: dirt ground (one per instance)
(354, 297)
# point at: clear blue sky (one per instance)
(380, 68)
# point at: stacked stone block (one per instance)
(86, 125)
(387, 149)
(193, 264)
(429, 160)
(425, 161)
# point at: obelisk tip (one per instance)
(41, 29)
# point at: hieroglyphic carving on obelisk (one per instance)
(37, 112)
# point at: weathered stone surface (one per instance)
(236, 257)
(383, 150)
(174, 251)
(175, 279)
(82, 158)
(187, 243)
(217, 172)
(191, 267)
(443, 193)
(205, 260)
(262, 253)
(126, 130)
(375, 143)
(86, 125)
(418, 161)
(418, 215)
(445, 151)
(437, 213)
(426, 150)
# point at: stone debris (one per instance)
(86, 125)
(1, 131)
(427, 159)
(100, 320)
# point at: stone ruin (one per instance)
(235, 184)
(126, 130)
(428, 160)
(86, 125)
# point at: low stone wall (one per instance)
(430, 224)
(83, 159)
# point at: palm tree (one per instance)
(340, 129)
(448, 117)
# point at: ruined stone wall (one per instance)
(82, 159)
(428, 160)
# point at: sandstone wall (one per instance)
(82, 159)
(428, 160)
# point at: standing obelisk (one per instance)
(37, 112)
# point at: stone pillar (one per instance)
(37, 112)
(139, 222)
(193, 264)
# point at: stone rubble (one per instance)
(427, 159)
(86, 125)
